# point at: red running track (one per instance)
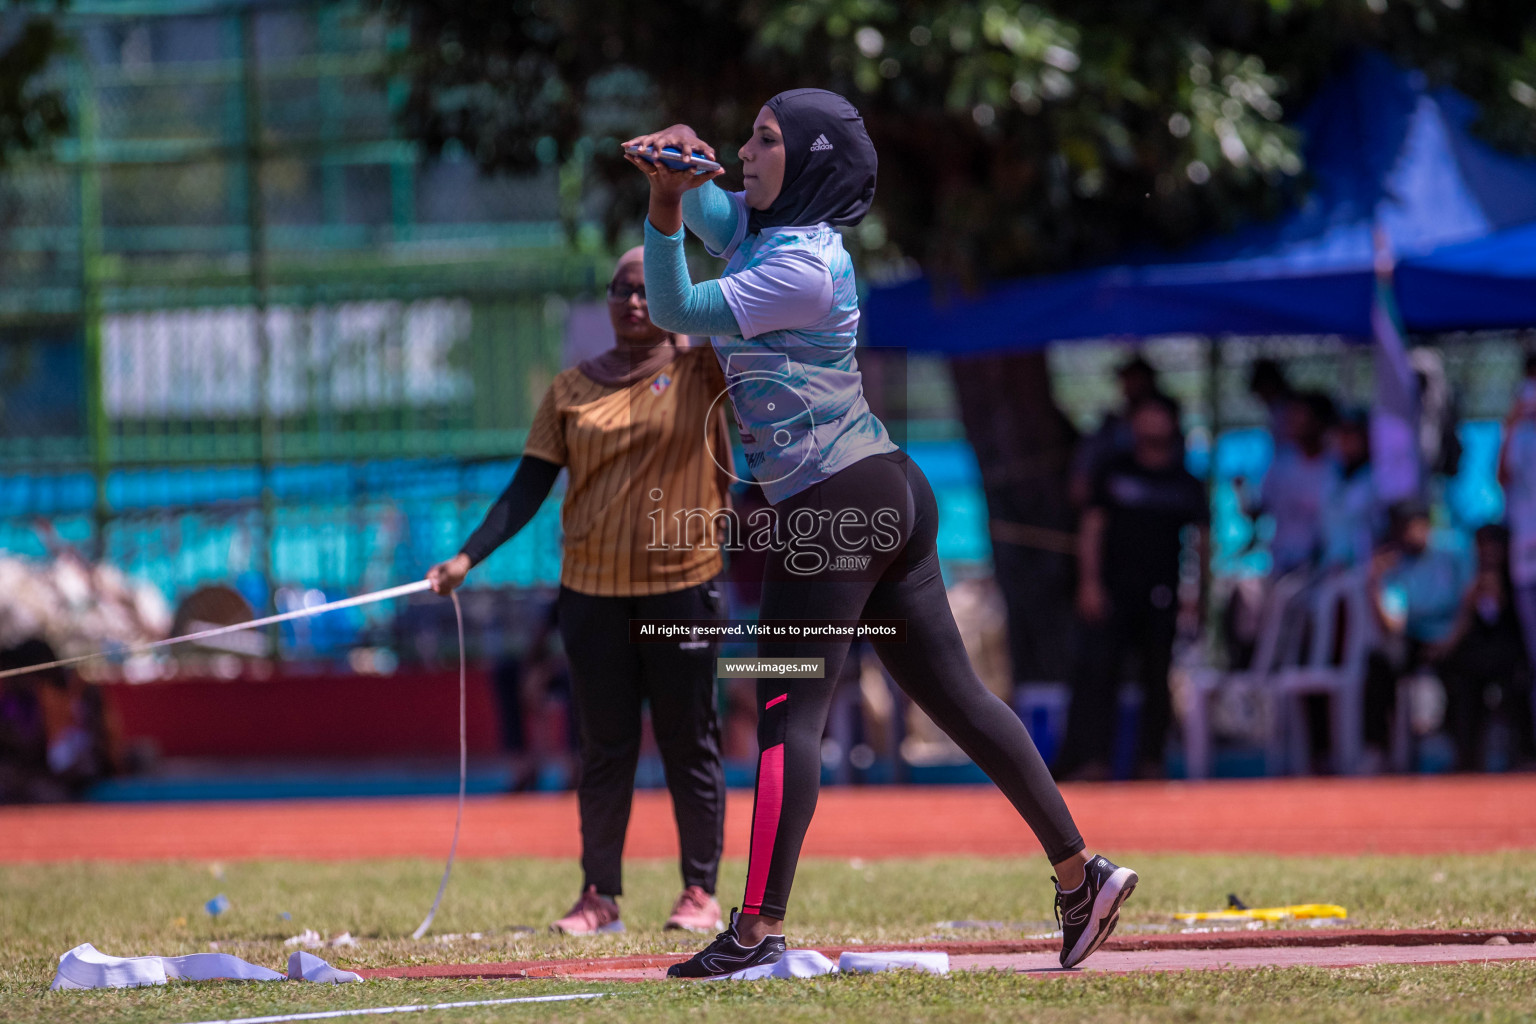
(1450, 814)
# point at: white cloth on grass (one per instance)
(85, 966)
(808, 963)
(795, 963)
(304, 966)
(912, 960)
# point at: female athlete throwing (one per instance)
(859, 514)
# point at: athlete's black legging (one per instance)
(900, 582)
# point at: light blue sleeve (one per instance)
(676, 303)
(711, 213)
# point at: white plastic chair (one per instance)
(1334, 667)
(1277, 644)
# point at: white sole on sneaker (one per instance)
(1106, 912)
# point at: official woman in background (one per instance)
(625, 427)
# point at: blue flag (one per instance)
(1395, 411)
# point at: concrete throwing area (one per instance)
(1186, 952)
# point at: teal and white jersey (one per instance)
(791, 373)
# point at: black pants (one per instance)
(1037, 589)
(507, 680)
(1382, 672)
(900, 581)
(610, 677)
(1476, 663)
(1135, 626)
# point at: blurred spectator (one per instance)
(1138, 382)
(55, 736)
(1439, 415)
(1300, 481)
(1484, 652)
(1354, 520)
(1268, 384)
(1129, 550)
(1416, 592)
(1517, 475)
(23, 738)
(1353, 524)
(533, 692)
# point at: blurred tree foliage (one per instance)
(31, 114)
(1013, 137)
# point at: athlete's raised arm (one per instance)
(676, 303)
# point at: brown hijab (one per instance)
(623, 364)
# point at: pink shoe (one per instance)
(695, 911)
(592, 915)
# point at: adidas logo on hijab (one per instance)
(820, 144)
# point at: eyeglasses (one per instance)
(623, 293)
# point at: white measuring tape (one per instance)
(319, 609)
(458, 820)
(417, 1008)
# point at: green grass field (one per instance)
(158, 908)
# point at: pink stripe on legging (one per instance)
(765, 825)
(781, 698)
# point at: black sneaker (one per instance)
(1090, 912)
(727, 956)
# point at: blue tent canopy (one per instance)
(1490, 282)
(1384, 150)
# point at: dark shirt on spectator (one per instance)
(1146, 513)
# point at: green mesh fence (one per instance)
(234, 273)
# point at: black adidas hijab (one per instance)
(829, 162)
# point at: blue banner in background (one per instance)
(345, 527)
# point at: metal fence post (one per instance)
(256, 223)
(98, 428)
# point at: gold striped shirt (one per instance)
(644, 486)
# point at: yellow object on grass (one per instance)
(1295, 912)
